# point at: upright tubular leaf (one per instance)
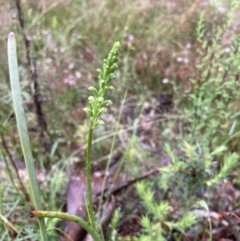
(22, 129)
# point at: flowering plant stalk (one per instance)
(98, 105)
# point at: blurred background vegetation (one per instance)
(177, 84)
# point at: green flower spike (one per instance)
(98, 106)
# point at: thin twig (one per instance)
(32, 69)
(116, 189)
(5, 147)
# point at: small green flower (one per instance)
(106, 75)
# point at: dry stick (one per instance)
(26, 41)
(33, 74)
(12, 230)
(116, 189)
(34, 78)
(5, 147)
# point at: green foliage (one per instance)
(158, 224)
(211, 124)
(230, 162)
(135, 156)
(185, 179)
(196, 169)
(214, 94)
(114, 225)
(202, 204)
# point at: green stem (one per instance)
(89, 173)
(210, 227)
(69, 217)
(22, 129)
(111, 152)
(231, 137)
